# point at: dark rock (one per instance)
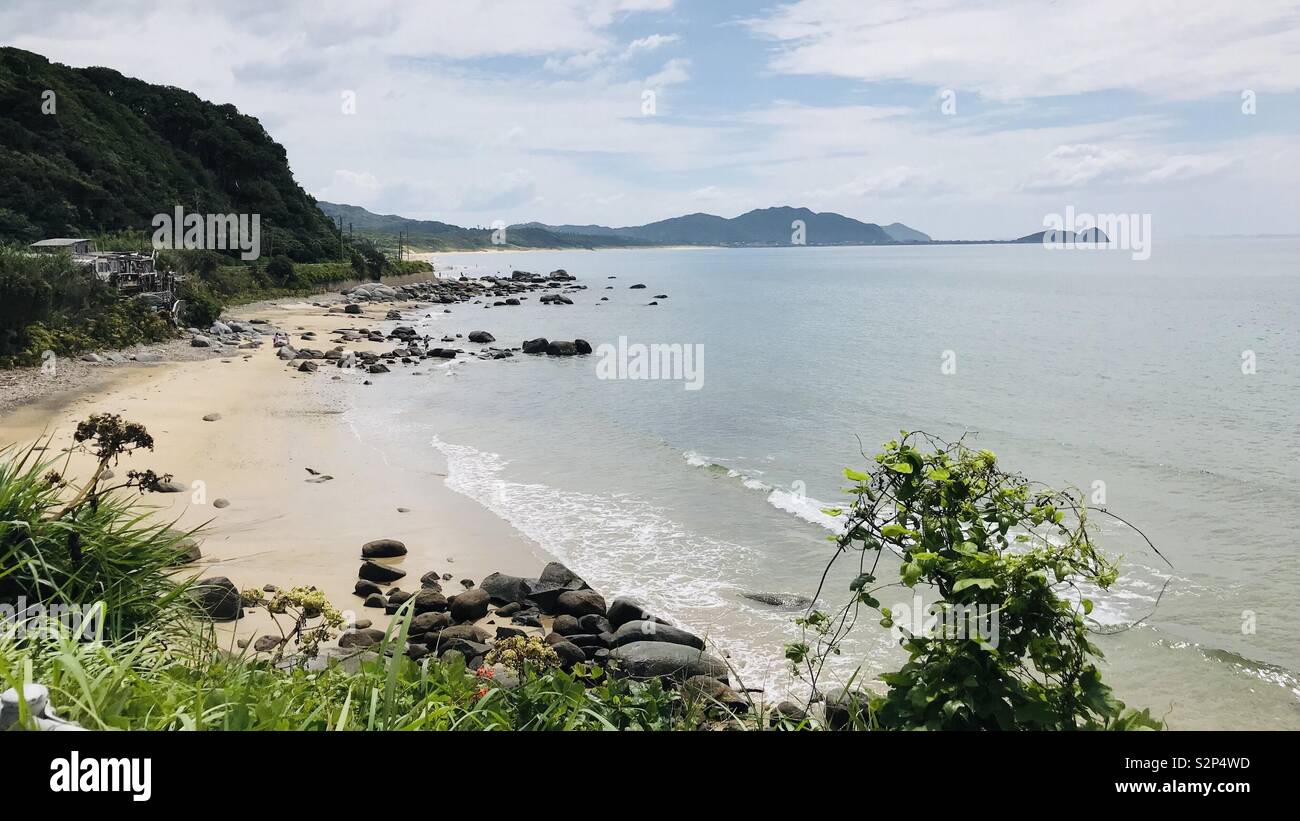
(365, 588)
(639, 630)
(624, 610)
(429, 622)
(590, 640)
(661, 659)
(482, 337)
(470, 605)
(504, 632)
(376, 600)
(788, 711)
(307, 367)
(504, 589)
(638, 286)
(567, 625)
(786, 600)
(569, 653)
(352, 309)
(545, 595)
(526, 620)
(378, 368)
(510, 609)
(218, 598)
(383, 574)
(713, 693)
(582, 346)
(267, 643)
(383, 549)
(561, 348)
(429, 600)
(592, 623)
(580, 603)
(361, 638)
(432, 580)
(415, 652)
(844, 707)
(538, 345)
(558, 574)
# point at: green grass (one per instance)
(114, 552)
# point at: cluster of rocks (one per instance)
(558, 606)
(232, 333)
(489, 291)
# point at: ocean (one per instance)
(1171, 384)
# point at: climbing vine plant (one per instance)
(1004, 563)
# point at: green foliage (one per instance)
(48, 303)
(117, 151)
(980, 541)
(280, 270)
(201, 307)
(101, 549)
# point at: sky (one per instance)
(963, 119)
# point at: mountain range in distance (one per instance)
(760, 228)
(763, 227)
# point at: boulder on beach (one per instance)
(429, 623)
(383, 574)
(365, 588)
(482, 337)
(569, 653)
(566, 625)
(624, 610)
(429, 600)
(471, 605)
(383, 549)
(561, 348)
(537, 345)
(352, 308)
(580, 603)
(361, 638)
(640, 630)
(557, 574)
(503, 589)
(661, 659)
(217, 597)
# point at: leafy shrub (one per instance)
(201, 307)
(988, 543)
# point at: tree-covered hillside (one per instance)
(116, 151)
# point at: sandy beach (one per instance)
(275, 423)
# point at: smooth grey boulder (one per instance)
(661, 659)
(429, 622)
(634, 631)
(383, 549)
(580, 603)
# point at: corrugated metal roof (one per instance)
(57, 242)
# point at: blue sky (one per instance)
(476, 111)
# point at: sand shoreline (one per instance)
(279, 528)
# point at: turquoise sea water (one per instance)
(1075, 367)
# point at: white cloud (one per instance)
(1025, 48)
